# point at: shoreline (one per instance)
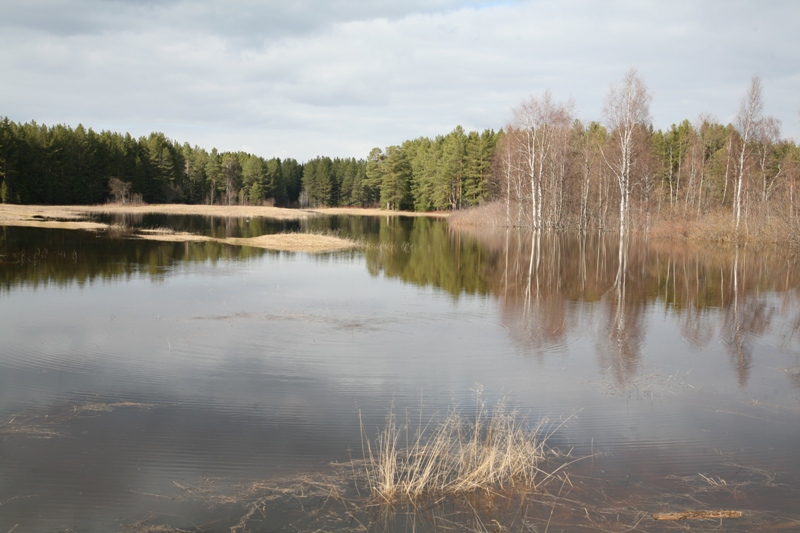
(74, 218)
(16, 215)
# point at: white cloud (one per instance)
(338, 77)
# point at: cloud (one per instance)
(338, 77)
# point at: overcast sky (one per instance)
(300, 78)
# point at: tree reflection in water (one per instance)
(622, 331)
(549, 285)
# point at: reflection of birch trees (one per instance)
(744, 318)
(540, 276)
(622, 332)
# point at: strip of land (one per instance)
(373, 212)
(287, 242)
(19, 215)
(74, 218)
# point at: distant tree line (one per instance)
(545, 167)
(62, 165)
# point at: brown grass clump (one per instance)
(492, 453)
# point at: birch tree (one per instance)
(538, 122)
(747, 121)
(626, 110)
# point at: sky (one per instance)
(301, 78)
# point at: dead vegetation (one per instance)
(51, 424)
(490, 452)
(296, 242)
(485, 470)
(278, 213)
(375, 212)
(698, 515)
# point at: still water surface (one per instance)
(134, 372)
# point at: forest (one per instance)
(545, 169)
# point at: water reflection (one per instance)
(37, 257)
(207, 363)
(544, 282)
(548, 285)
(210, 226)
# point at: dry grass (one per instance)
(74, 216)
(719, 227)
(491, 214)
(490, 454)
(287, 242)
(296, 242)
(375, 212)
(176, 236)
(279, 213)
(15, 215)
(472, 474)
(51, 217)
(51, 425)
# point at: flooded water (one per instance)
(148, 385)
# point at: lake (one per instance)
(159, 386)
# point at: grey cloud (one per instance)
(307, 78)
(247, 21)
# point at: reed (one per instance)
(491, 452)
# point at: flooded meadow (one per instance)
(199, 386)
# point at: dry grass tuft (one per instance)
(491, 454)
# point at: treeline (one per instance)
(65, 165)
(62, 165)
(547, 169)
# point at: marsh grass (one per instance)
(491, 452)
